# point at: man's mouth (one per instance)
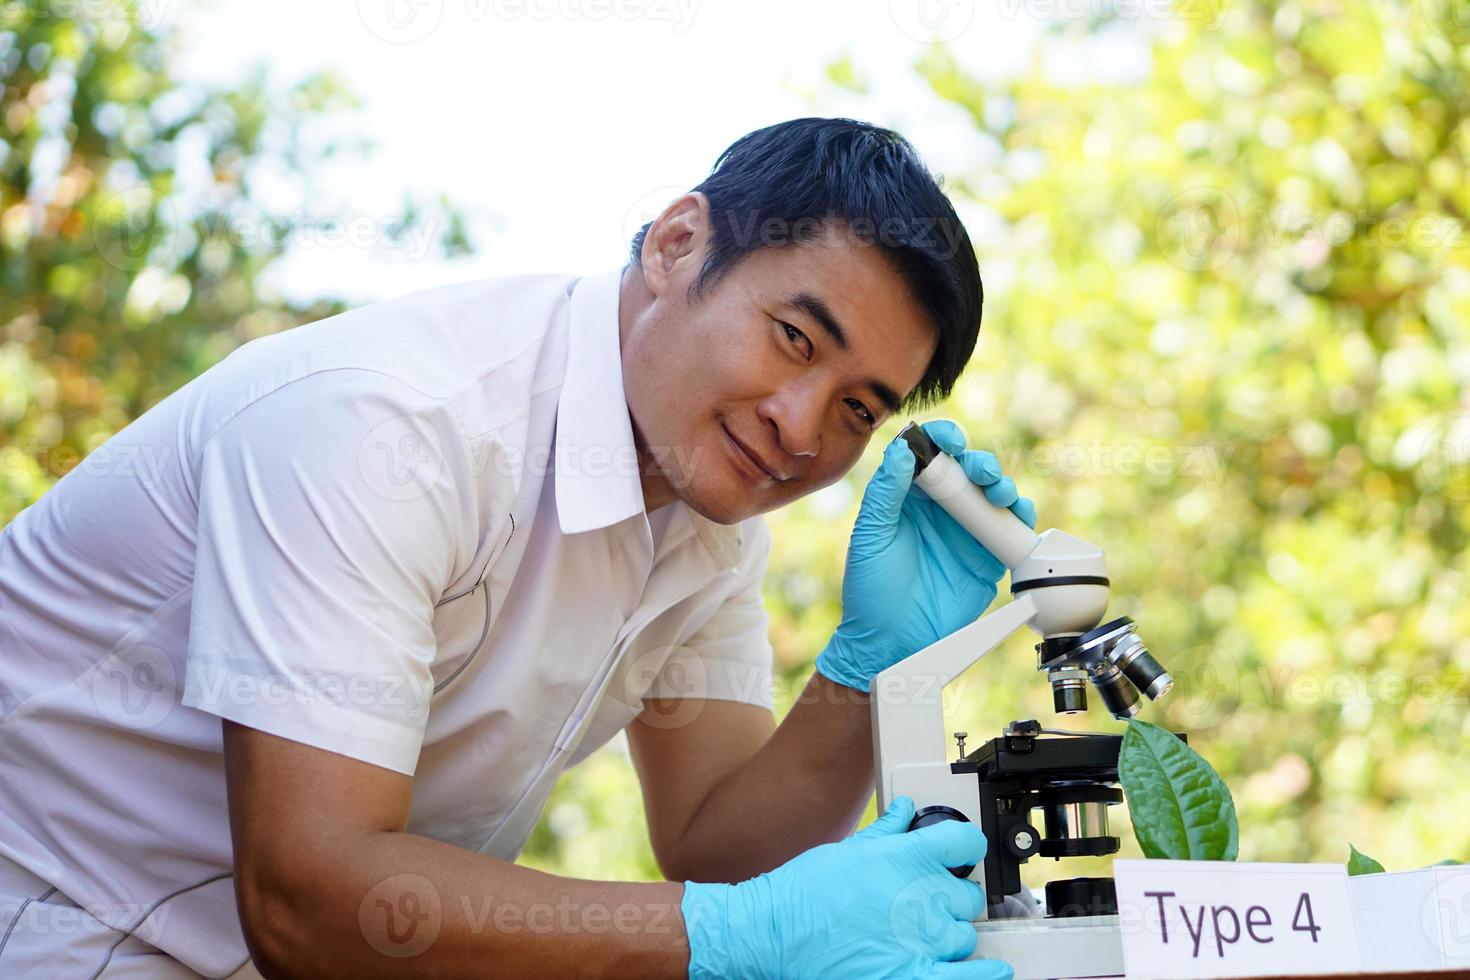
(748, 462)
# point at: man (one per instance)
(294, 685)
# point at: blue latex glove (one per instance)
(878, 904)
(914, 575)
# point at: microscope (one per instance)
(1059, 588)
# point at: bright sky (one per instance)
(562, 125)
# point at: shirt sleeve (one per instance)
(331, 515)
(728, 658)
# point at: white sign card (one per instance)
(1452, 909)
(1234, 919)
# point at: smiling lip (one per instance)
(751, 462)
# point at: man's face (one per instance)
(771, 385)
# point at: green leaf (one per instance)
(1361, 864)
(1450, 861)
(1179, 805)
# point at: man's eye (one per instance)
(798, 338)
(862, 411)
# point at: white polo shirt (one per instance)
(412, 534)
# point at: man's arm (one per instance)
(329, 883)
(728, 799)
(313, 563)
(730, 795)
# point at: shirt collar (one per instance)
(597, 481)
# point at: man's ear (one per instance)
(673, 249)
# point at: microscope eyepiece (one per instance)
(925, 448)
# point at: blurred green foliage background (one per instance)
(1225, 338)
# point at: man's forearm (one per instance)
(808, 785)
(402, 905)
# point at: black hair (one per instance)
(787, 183)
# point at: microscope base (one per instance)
(1037, 949)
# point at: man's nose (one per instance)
(796, 414)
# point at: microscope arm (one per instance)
(907, 702)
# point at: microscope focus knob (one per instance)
(1023, 841)
(938, 813)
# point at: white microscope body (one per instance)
(1060, 590)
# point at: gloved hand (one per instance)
(878, 904)
(914, 575)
